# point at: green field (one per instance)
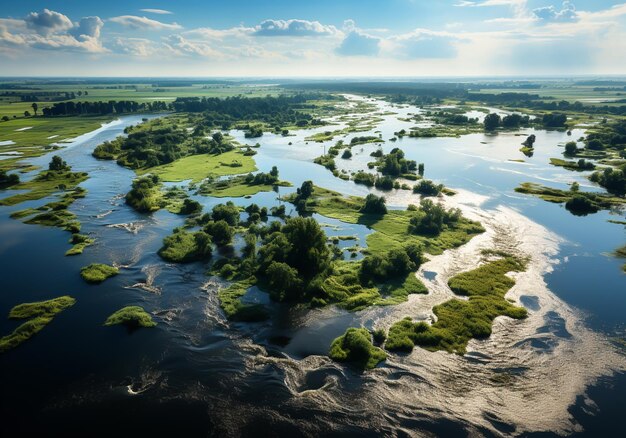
(198, 167)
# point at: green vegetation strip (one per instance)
(458, 321)
(41, 314)
(45, 184)
(131, 316)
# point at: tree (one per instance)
(420, 169)
(346, 154)
(309, 253)
(221, 232)
(374, 205)
(228, 212)
(26, 114)
(190, 207)
(570, 148)
(35, 107)
(306, 190)
(530, 141)
(203, 244)
(492, 121)
(7, 180)
(57, 164)
(283, 281)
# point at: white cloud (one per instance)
(357, 43)
(87, 27)
(179, 45)
(143, 23)
(156, 11)
(47, 22)
(421, 43)
(140, 47)
(551, 14)
(50, 30)
(293, 28)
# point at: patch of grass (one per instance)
(45, 184)
(594, 201)
(355, 346)
(199, 167)
(98, 272)
(79, 242)
(63, 128)
(236, 187)
(41, 312)
(235, 310)
(458, 321)
(392, 229)
(184, 247)
(131, 316)
(343, 288)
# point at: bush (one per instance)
(374, 205)
(355, 346)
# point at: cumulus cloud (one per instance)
(47, 22)
(179, 45)
(140, 47)
(143, 23)
(421, 44)
(87, 27)
(50, 30)
(156, 11)
(552, 14)
(293, 28)
(357, 43)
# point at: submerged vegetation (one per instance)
(39, 314)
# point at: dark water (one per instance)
(195, 374)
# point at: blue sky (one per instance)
(316, 38)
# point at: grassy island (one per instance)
(39, 313)
(98, 272)
(45, 184)
(297, 263)
(458, 321)
(577, 202)
(243, 185)
(132, 317)
(355, 346)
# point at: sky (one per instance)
(338, 38)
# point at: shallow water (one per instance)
(195, 373)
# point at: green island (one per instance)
(98, 272)
(355, 346)
(39, 314)
(577, 202)
(132, 317)
(297, 263)
(458, 321)
(57, 178)
(242, 185)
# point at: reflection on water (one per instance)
(195, 373)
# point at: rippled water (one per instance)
(196, 374)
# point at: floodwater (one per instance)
(558, 372)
